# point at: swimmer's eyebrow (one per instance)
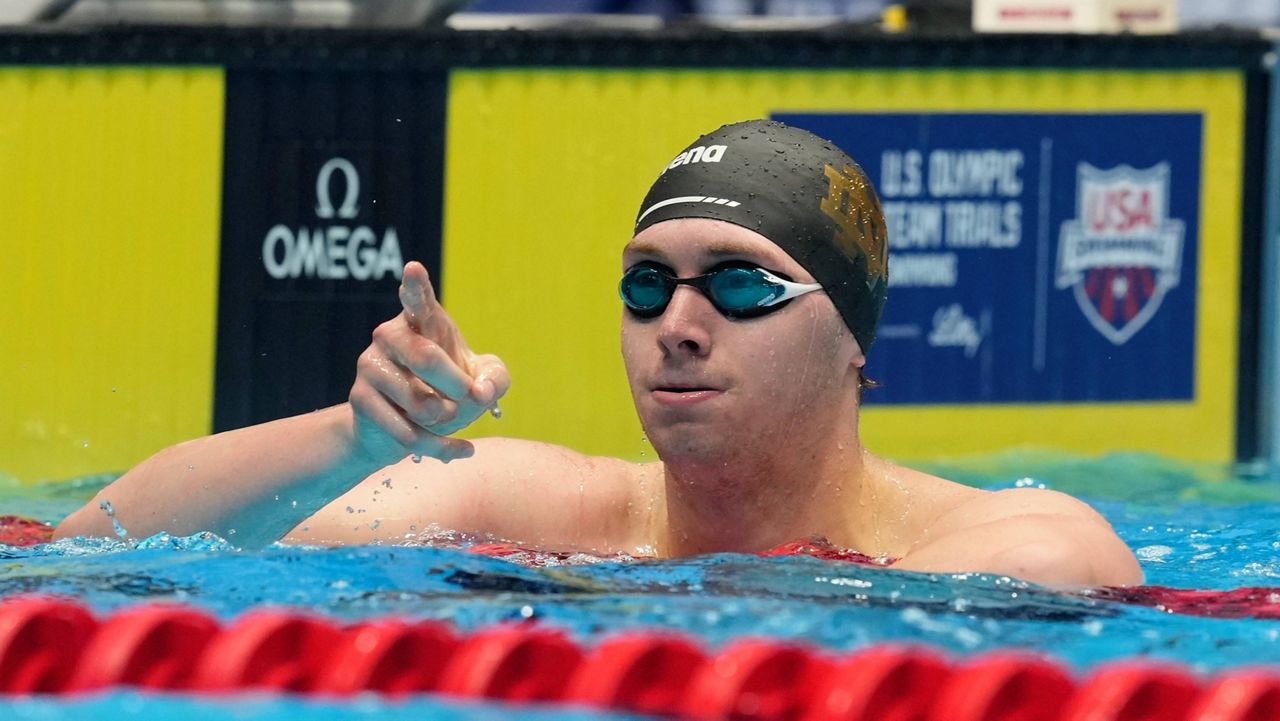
(715, 249)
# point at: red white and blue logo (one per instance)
(1122, 252)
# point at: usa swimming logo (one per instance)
(1122, 252)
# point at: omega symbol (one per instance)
(324, 203)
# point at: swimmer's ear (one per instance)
(859, 359)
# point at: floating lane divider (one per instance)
(54, 646)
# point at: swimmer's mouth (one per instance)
(677, 395)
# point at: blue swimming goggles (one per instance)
(737, 289)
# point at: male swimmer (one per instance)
(751, 292)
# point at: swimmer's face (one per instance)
(705, 385)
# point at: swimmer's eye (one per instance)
(737, 289)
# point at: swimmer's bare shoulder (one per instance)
(1033, 534)
(533, 493)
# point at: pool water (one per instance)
(1192, 527)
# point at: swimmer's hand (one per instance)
(419, 382)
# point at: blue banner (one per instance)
(1033, 257)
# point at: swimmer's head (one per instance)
(799, 191)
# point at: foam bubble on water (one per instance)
(849, 582)
(1153, 554)
(1268, 569)
(929, 623)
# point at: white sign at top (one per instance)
(1075, 16)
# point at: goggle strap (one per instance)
(790, 289)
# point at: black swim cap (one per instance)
(799, 191)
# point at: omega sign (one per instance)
(333, 249)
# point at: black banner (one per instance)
(332, 180)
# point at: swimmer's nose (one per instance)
(684, 324)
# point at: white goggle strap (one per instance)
(790, 289)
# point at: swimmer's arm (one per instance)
(416, 385)
(249, 485)
(1035, 535)
(535, 494)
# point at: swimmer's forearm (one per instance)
(250, 486)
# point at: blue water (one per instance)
(1192, 527)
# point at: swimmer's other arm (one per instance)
(250, 485)
(416, 385)
(1035, 535)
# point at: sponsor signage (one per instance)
(1033, 257)
(1075, 16)
(332, 182)
(335, 246)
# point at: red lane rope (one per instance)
(54, 646)
(19, 531)
(1261, 602)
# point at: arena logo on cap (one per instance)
(700, 154)
(1121, 254)
(334, 251)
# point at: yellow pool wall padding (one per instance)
(110, 184)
